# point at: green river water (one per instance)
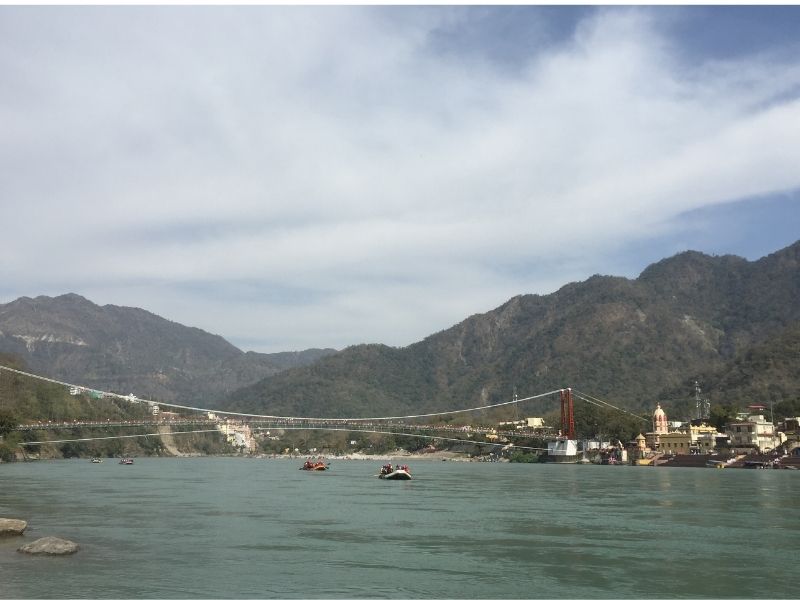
(261, 528)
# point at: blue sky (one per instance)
(294, 177)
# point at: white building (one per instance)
(238, 435)
(531, 422)
(755, 432)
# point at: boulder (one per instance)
(49, 545)
(12, 527)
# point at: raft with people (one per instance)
(314, 466)
(401, 472)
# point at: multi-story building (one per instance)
(753, 433)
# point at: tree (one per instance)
(73, 450)
(722, 414)
(8, 422)
(786, 408)
(522, 456)
(382, 443)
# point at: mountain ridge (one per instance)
(128, 349)
(625, 339)
(634, 341)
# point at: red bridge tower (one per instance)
(567, 415)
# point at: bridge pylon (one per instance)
(567, 414)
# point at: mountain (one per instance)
(766, 373)
(126, 350)
(630, 342)
(730, 323)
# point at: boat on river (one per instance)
(314, 466)
(126, 461)
(97, 459)
(400, 472)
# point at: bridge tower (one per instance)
(567, 414)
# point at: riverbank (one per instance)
(438, 455)
(356, 456)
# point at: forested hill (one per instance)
(130, 350)
(766, 373)
(629, 341)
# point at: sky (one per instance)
(298, 177)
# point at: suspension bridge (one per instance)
(400, 425)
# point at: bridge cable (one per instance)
(115, 437)
(603, 404)
(315, 419)
(414, 435)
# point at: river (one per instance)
(261, 528)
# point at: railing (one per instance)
(359, 425)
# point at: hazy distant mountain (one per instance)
(629, 341)
(131, 350)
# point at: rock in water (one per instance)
(12, 527)
(49, 545)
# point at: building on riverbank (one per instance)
(755, 432)
(693, 437)
(238, 434)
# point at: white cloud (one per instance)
(336, 154)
